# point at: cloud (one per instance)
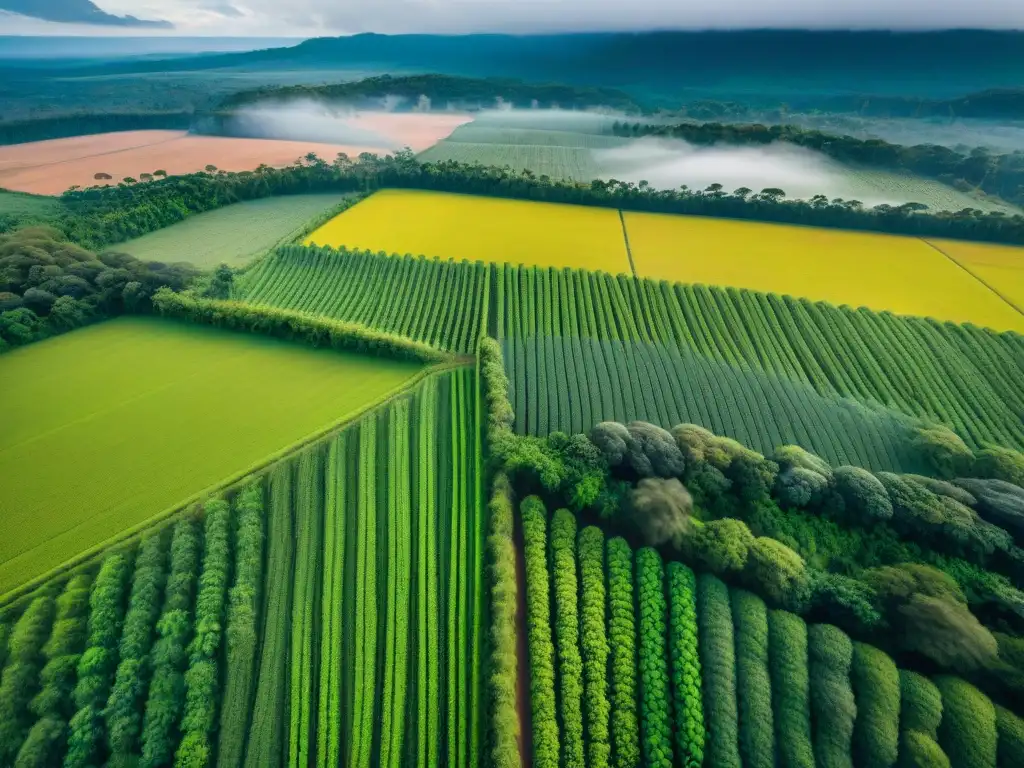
(522, 16)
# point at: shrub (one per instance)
(567, 636)
(20, 680)
(622, 647)
(753, 683)
(718, 661)
(998, 502)
(943, 488)
(876, 687)
(721, 546)
(594, 645)
(920, 704)
(945, 453)
(541, 648)
(1010, 750)
(655, 698)
(645, 449)
(504, 663)
(798, 487)
(1000, 464)
(661, 510)
(920, 751)
(686, 671)
(967, 733)
(779, 573)
(833, 707)
(795, 457)
(864, 498)
(787, 652)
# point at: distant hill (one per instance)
(76, 12)
(757, 64)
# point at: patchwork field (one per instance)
(480, 229)
(50, 167)
(160, 412)
(231, 235)
(1002, 267)
(899, 274)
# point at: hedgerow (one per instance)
(655, 697)
(625, 730)
(967, 733)
(687, 700)
(567, 631)
(788, 665)
(753, 682)
(542, 657)
(201, 679)
(20, 680)
(1010, 727)
(594, 645)
(718, 662)
(833, 707)
(876, 688)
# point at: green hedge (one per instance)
(686, 672)
(20, 681)
(594, 645)
(625, 730)
(833, 707)
(655, 698)
(788, 665)
(1010, 752)
(718, 661)
(876, 688)
(504, 662)
(967, 732)
(753, 682)
(567, 636)
(538, 623)
(920, 716)
(315, 331)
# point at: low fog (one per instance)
(669, 164)
(306, 120)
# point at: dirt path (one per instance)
(522, 652)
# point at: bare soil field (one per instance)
(418, 131)
(50, 167)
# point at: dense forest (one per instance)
(19, 131)
(999, 175)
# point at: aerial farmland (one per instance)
(416, 419)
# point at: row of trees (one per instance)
(999, 175)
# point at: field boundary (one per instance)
(225, 485)
(981, 280)
(625, 237)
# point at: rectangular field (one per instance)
(481, 229)
(231, 235)
(1000, 266)
(904, 275)
(112, 424)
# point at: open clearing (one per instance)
(50, 167)
(1001, 266)
(900, 274)
(480, 229)
(410, 129)
(232, 235)
(112, 424)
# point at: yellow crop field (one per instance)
(481, 229)
(904, 275)
(1001, 266)
(109, 425)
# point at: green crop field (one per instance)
(21, 206)
(159, 412)
(231, 235)
(558, 162)
(482, 133)
(870, 184)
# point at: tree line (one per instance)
(1001, 175)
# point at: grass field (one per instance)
(882, 272)
(870, 184)
(21, 204)
(558, 162)
(109, 425)
(480, 228)
(478, 133)
(1002, 267)
(231, 235)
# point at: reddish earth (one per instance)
(418, 131)
(50, 167)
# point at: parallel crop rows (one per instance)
(433, 301)
(348, 583)
(585, 346)
(699, 673)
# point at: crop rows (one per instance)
(558, 162)
(432, 301)
(329, 614)
(699, 673)
(583, 346)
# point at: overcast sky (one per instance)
(325, 17)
